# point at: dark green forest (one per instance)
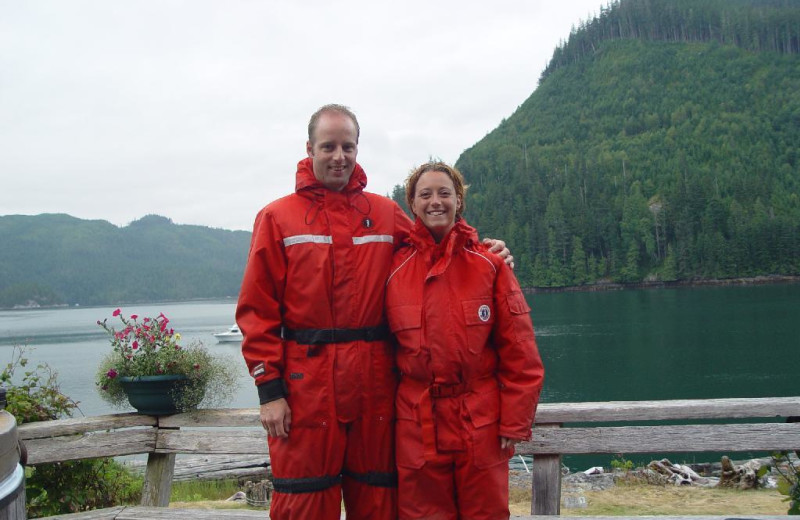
(59, 259)
(661, 144)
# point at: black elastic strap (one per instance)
(373, 478)
(305, 485)
(321, 336)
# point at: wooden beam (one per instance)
(660, 439)
(612, 411)
(108, 513)
(61, 427)
(208, 441)
(228, 417)
(151, 513)
(88, 446)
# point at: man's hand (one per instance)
(276, 418)
(506, 443)
(499, 248)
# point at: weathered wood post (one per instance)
(158, 476)
(546, 482)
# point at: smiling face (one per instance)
(333, 149)
(436, 203)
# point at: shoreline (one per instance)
(604, 285)
(771, 279)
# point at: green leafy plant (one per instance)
(150, 347)
(789, 484)
(620, 463)
(33, 394)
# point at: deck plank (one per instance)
(163, 513)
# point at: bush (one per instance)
(789, 485)
(61, 487)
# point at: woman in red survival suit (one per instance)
(470, 369)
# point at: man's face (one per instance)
(334, 150)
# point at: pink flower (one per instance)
(111, 374)
(116, 313)
(134, 316)
(135, 345)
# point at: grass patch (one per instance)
(203, 490)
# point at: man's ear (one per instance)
(309, 149)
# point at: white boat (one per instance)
(232, 334)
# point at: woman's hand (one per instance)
(506, 443)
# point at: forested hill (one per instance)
(640, 157)
(58, 259)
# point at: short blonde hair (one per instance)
(327, 109)
(437, 166)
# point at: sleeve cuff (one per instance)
(272, 391)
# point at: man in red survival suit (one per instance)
(315, 341)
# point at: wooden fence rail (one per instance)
(237, 431)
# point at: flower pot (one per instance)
(156, 395)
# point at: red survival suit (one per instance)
(470, 373)
(312, 312)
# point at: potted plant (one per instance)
(150, 368)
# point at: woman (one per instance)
(470, 370)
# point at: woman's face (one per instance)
(435, 203)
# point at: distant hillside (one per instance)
(661, 144)
(59, 259)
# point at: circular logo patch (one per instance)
(484, 313)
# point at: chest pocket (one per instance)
(479, 319)
(405, 322)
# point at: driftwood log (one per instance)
(741, 476)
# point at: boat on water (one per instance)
(232, 334)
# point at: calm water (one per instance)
(619, 345)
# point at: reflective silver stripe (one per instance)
(305, 239)
(357, 241)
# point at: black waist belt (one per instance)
(305, 485)
(319, 336)
(374, 479)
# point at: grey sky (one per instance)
(197, 110)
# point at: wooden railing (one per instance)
(237, 431)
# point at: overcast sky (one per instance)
(197, 110)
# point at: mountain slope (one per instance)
(51, 259)
(647, 159)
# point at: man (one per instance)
(312, 313)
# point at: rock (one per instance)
(584, 482)
(239, 496)
(574, 501)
